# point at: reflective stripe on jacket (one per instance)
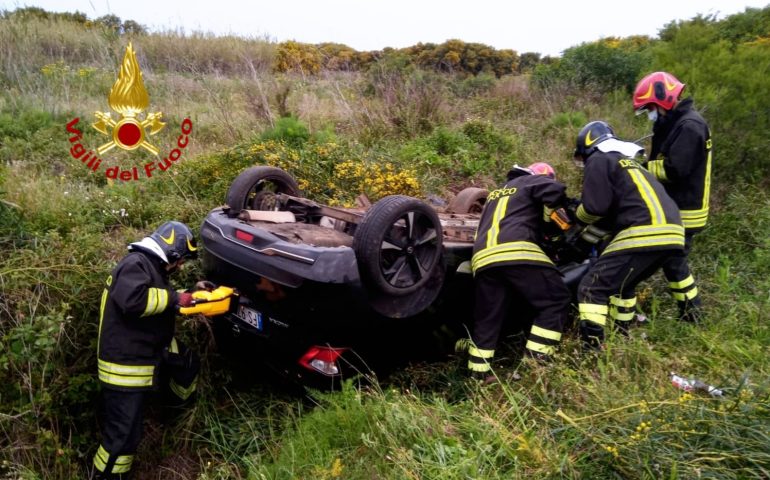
(681, 160)
(512, 220)
(628, 200)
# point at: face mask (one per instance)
(579, 163)
(652, 115)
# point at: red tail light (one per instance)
(322, 359)
(246, 237)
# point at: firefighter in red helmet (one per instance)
(680, 157)
(508, 263)
(137, 351)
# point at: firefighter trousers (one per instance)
(609, 288)
(500, 289)
(681, 282)
(123, 411)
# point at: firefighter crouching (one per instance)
(137, 352)
(680, 157)
(509, 265)
(627, 200)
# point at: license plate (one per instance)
(250, 316)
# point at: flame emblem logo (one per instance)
(129, 98)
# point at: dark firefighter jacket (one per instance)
(629, 202)
(511, 223)
(681, 160)
(136, 322)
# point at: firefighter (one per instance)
(508, 264)
(622, 197)
(137, 352)
(680, 157)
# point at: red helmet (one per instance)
(660, 88)
(542, 168)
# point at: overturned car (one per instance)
(326, 292)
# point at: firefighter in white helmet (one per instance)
(137, 352)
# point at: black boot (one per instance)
(622, 327)
(592, 336)
(97, 475)
(539, 357)
(690, 311)
(484, 378)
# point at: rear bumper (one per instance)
(267, 255)
(279, 343)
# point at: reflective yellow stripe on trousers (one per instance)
(540, 348)
(122, 463)
(622, 309)
(509, 251)
(126, 375)
(182, 392)
(593, 313)
(647, 236)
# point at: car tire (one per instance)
(398, 246)
(255, 189)
(469, 200)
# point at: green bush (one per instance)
(49, 287)
(478, 149)
(289, 130)
(35, 139)
(571, 120)
(601, 66)
(441, 153)
(411, 99)
(23, 124)
(488, 138)
(472, 85)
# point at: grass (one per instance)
(62, 229)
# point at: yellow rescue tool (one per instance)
(209, 304)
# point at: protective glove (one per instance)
(592, 235)
(205, 285)
(574, 233)
(184, 299)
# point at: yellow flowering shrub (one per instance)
(60, 69)
(326, 172)
(297, 57)
(57, 69)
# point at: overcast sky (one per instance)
(543, 26)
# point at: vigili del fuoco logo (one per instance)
(129, 99)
